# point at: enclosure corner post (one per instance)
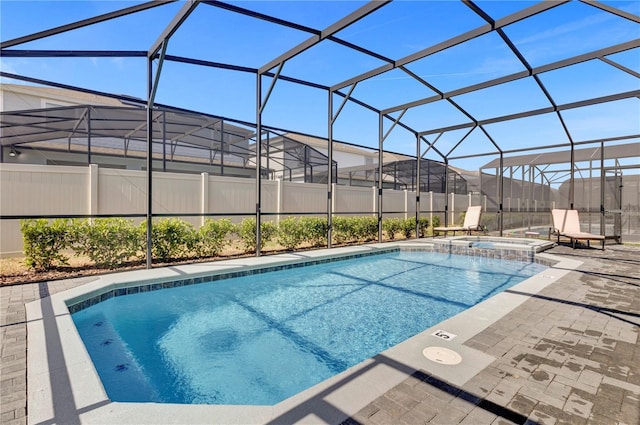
(149, 215)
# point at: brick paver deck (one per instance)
(13, 344)
(568, 355)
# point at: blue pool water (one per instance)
(484, 245)
(262, 338)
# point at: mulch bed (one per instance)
(69, 272)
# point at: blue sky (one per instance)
(397, 30)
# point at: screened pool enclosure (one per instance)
(383, 108)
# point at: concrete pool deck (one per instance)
(562, 350)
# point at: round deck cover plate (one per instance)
(442, 355)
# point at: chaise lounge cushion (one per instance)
(471, 222)
(567, 223)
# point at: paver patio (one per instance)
(568, 355)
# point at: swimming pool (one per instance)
(187, 346)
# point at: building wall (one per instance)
(17, 97)
(12, 101)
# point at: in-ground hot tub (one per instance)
(522, 249)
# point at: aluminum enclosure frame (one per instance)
(157, 52)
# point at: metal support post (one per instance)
(164, 141)
(572, 178)
(149, 161)
(380, 158)
(602, 191)
(418, 161)
(501, 194)
(89, 136)
(152, 87)
(222, 147)
(330, 171)
(446, 192)
(258, 159)
(260, 105)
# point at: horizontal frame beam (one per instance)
(355, 16)
(469, 35)
(173, 26)
(613, 10)
(15, 53)
(564, 107)
(596, 54)
(83, 23)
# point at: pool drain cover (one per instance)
(442, 355)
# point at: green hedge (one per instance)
(172, 239)
(392, 227)
(409, 227)
(44, 242)
(315, 230)
(354, 229)
(213, 237)
(436, 221)
(108, 242)
(112, 242)
(291, 233)
(246, 230)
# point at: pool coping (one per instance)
(63, 384)
(528, 245)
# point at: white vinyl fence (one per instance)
(67, 190)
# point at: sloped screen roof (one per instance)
(500, 77)
(37, 125)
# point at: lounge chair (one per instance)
(471, 223)
(567, 223)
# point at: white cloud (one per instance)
(568, 28)
(13, 66)
(573, 37)
(5, 67)
(118, 62)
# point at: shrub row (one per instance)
(111, 242)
